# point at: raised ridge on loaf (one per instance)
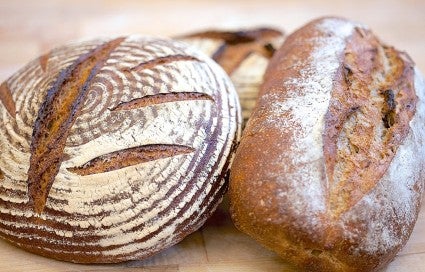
(243, 54)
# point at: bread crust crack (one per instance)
(55, 118)
(371, 106)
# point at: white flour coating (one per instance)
(396, 190)
(304, 187)
(305, 108)
(207, 46)
(89, 200)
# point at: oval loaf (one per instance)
(330, 169)
(113, 149)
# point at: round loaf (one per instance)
(113, 149)
(330, 168)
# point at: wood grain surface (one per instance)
(30, 28)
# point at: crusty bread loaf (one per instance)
(243, 54)
(113, 149)
(330, 168)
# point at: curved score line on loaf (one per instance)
(160, 98)
(368, 119)
(7, 99)
(56, 116)
(161, 61)
(63, 105)
(238, 46)
(129, 157)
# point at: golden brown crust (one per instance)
(160, 98)
(296, 187)
(161, 61)
(238, 45)
(243, 54)
(44, 59)
(128, 157)
(372, 103)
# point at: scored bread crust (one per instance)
(329, 170)
(113, 149)
(243, 54)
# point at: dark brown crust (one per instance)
(387, 100)
(55, 118)
(161, 61)
(7, 100)
(159, 99)
(237, 46)
(128, 157)
(1, 175)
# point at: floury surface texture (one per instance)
(113, 149)
(334, 149)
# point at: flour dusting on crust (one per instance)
(397, 190)
(307, 105)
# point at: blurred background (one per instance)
(29, 28)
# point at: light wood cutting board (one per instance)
(29, 28)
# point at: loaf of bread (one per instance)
(113, 149)
(243, 54)
(330, 168)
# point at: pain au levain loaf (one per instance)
(330, 168)
(113, 149)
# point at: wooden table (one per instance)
(28, 28)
